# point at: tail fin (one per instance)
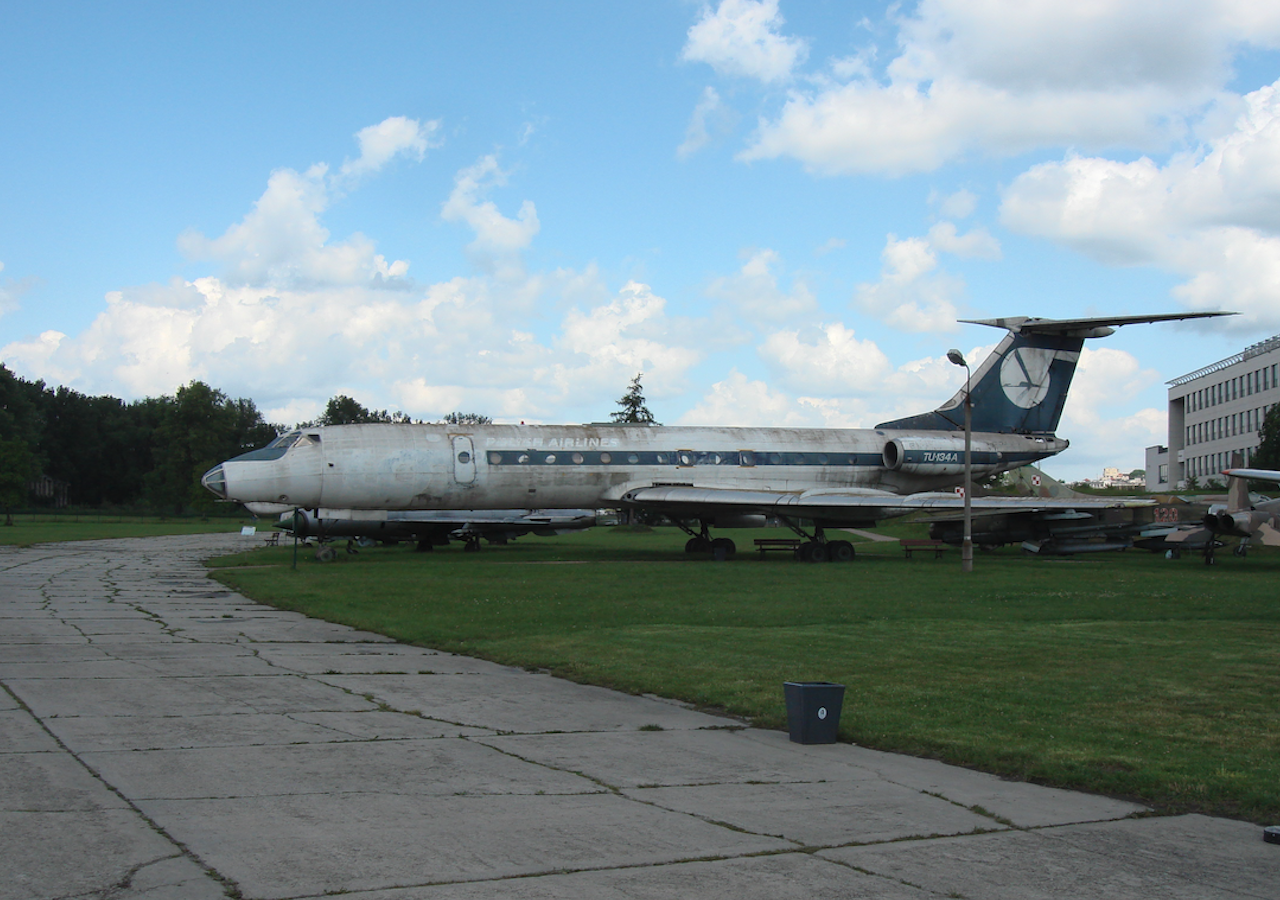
(1237, 487)
(1022, 386)
(1028, 481)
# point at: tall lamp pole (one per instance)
(966, 548)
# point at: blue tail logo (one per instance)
(1022, 386)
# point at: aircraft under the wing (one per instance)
(1083, 527)
(428, 527)
(700, 478)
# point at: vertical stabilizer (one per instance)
(1237, 488)
(1021, 387)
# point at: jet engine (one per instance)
(1239, 524)
(936, 455)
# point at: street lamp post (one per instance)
(966, 548)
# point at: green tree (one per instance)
(344, 410)
(17, 468)
(199, 427)
(632, 409)
(1267, 455)
(465, 418)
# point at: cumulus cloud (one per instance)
(498, 238)
(739, 401)
(753, 292)
(282, 242)
(828, 360)
(1105, 378)
(293, 317)
(911, 294)
(988, 77)
(740, 37)
(391, 137)
(1212, 215)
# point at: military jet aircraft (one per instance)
(430, 528)
(1126, 522)
(701, 478)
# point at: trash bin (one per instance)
(813, 710)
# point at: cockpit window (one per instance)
(284, 441)
(291, 439)
(280, 446)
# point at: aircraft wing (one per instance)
(840, 504)
(1255, 474)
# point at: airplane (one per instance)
(701, 477)
(429, 528)
(1085, 528)
(1244, 516)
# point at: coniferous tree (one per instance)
(632, 409)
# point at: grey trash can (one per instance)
(813, 710)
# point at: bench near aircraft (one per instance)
(700, 478)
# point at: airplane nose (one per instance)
(215, 480)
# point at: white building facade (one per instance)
(1215, 412)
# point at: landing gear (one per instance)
(723, 548)
(813, 551)
(697, 544)
(818, 549)
(840, 551)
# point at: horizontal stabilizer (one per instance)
(1093, 327)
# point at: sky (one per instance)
(775, 211)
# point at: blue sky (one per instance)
(775, 211)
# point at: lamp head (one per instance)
(957, 357)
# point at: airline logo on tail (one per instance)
(1024, 374)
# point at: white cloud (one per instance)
(1000, 78)
(498, 238)
(281, 241)
(709, 113)
(391, 137)
(737, 401)
(754, 294)
(911, 295)
(959, 205)
(740, 37)
(828, 360)
(977, 244)
(1105, 380)
(1212, 215)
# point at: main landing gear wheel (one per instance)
(840, 551)
(697, 545)
(725, 544)
(812, 552)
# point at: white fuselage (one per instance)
(395, 467)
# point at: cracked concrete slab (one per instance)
(163, 737)
(1178, 857)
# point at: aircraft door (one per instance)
(464, 460)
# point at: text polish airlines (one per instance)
(701, 478)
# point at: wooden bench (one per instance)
(766, 544)
(273, 539)
(909, 544)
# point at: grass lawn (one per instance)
(1119, 673)
(39, 528)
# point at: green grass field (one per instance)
(1120, 673)
(28, 529)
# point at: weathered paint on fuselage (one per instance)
(395, 466)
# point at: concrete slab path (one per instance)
(162, 737)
